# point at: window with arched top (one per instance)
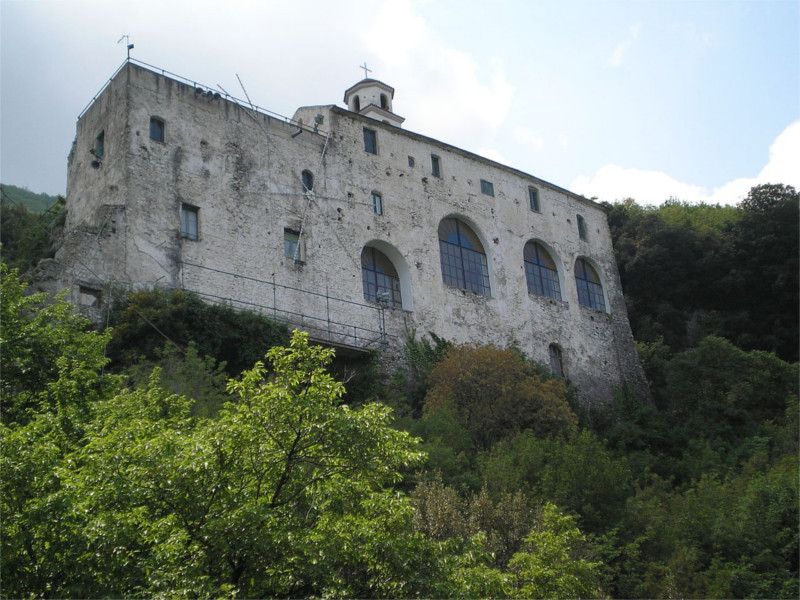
(380, 279)
(590, 290)
(464, 264)
(556, 360)
(384, 102)
(357, 104)
(308, 180)
(582, 231)
(541, 272)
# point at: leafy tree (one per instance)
(30, 229)
(495, 393)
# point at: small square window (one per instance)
(436, 170)
(370, 141)
(100, 145)
(411, 161)
(582, 228)
(89, 296)
(157, 129)
(377, 203)
(189, 229)
(291, 244)
(533, 196)
(487, 187)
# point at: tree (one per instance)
(495, 393)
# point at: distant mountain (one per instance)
(31, 201)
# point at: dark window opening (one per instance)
(357, 104)
(411, 162)
(308, 180)
(533, 197)
(377, 203)
(582, 228)
(590, 291)
(88, 296)
(156, 129)
(464, 264)
(487, 187)
(384, 102)
(435, 167)
(189, 228)
(370, 141)
(541, 273)
(291, 244)
(100, 145)
(556, 360)
(380, 279)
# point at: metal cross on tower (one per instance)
(366, 70)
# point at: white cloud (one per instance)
(613, 182)
(621, 49)
(442, 91)
(530, 138)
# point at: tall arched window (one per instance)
(384, 102)
(464, 264)
(357, 104)
(380, 279)
(590, 290)
(541, 272)
(308, 180)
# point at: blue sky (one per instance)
(696, 100)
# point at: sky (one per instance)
(696, 101)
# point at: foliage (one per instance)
(495, 393)
(26, 235)
(30, 201)
(422, 355)
(236, 338)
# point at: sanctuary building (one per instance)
(337, 221)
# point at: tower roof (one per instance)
(367, 83)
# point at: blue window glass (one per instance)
(370, 141)
(464, 264)
(541, 272)
(379, 278)
(156, 129)
(590, 291)
(533, 197)
(487, 187)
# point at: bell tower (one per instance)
(373, 99)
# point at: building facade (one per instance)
(340, 222)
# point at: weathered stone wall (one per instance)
(242, 170)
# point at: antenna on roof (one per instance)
(127, 39)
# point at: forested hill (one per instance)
(23, 197)
(159, 458)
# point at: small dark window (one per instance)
(411, 162)
(384, 102)
(308, 180)
(370, 141)
(377, 203)
(156, 129)
(291, 244)
(189, 229)
(487, 187)
(581, 228)
(533, 197)
(436, 170)
(89, 296)
(357, 104)
(100, 145)
(556, 360)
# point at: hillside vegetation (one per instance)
(166, 456)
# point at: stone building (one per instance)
(340, 222)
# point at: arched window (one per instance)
(464, 264)
(582, 232)
(541, 272)
(590, 291)
(380, 279)
(556, 360)
(384, 102)
(308, 180)
(357, 104)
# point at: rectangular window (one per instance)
(291, 244)
(100, 145)
(582, 228)
(411, 162)
(377, 203)
(189, 229)
(487, 187)
(370, 141)
(157, 129)
(436, 170)
(533, 196)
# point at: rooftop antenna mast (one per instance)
(127, 39)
